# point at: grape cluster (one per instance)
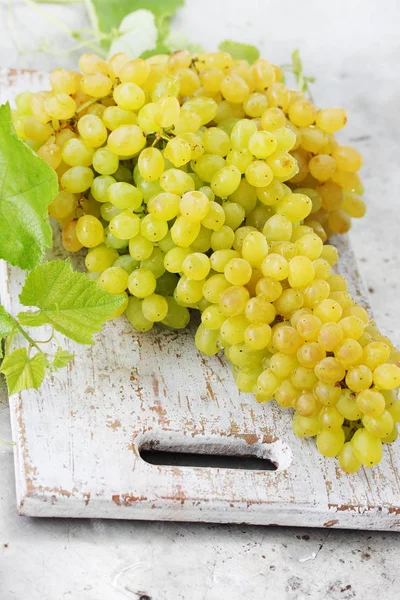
(203, 182)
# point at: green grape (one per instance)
(114, 280)
(63, 205)
(222, 239)
(238, 271)
(232, 330)
(124, 195)
(330, 417)
(348, 461)
(240, 236)
(387, 377)
(89, 231)
(233, 300)
(216, 141)
(207, 165)
(126, 140)
(371, 403)
(367, 448)
(225, 181)
(266, 386)
(206, 340)
(142, 283)
(242, 132)
(108, 211)
(151, 164)
(214, 287)
(380, 426)
(301, 272)
(77, 180)
(115, 116)
(347, 406)
(196, 266)
(113, 242)
(178, 317)
(155, 308)
(60, 106)
(184, 232)
(125, 226)
(305, 426)
(136, 317)
(239, 158)
(257, 336)
(262, 144)
(215, 218)
(92, 130)
(212, 317)
(123, 174)
(126, 262)
(194, 206)
(129, 96)
(259, 174)
(178, 151)
(234, 215)
(77, 153)
(174, 259)
(295, 207)
(330, 441)
(164, 206)
(99, 259)
(189, 291)
(104, 161)
(140, 247)
(177, 182)
(153, 229)
(155, 262)
(166, 284)
(100, 186)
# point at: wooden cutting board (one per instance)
(79, 439)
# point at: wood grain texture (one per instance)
(78, 438)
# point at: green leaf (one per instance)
(176, 40)
(62, 358)
(69, 301)
(297, 69)
(6, 327)
(240, 51)
(27, 186)
(106, 15)
(139, 33)
(23, 372)
(6, 324)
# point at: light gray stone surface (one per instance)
(353, 49)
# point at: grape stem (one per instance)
(22, 331)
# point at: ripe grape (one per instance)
(203, 182)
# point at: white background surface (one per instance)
(353, 49)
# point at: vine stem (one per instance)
(24, 334)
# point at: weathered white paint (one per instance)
(78, 438)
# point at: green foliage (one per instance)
(27, 186)
(240, 51)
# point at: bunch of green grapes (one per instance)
(293, 333)
(203, 183)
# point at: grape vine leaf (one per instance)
(27, 186)
(106, 15)
(23, 372)
(240, 51)
(138, 34)
(297, 69)
(62, 358)
(6, 327)
(69, 301)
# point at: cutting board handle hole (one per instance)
(172, 458)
